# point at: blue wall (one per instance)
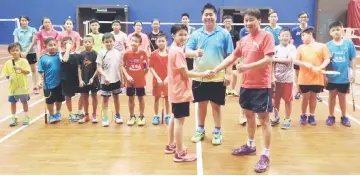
(58, 10)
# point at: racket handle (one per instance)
(46, 118)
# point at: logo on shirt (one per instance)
(256, 44)
(87, 62)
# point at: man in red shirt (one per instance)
(257, 50)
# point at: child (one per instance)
(311, 57)
(49, 68)
(343, 54)
(135, 69)
(94, 27)
(180, 94)
(69, 32)
(120, 44)
(46, 32)
(88, 80)
(16, 70)
(69, 76)
(145, 44)
(285, 54)
(158, 67)
(108, 65)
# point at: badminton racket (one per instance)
(18, 91)
(47, 94)
(162, 108)
(330, 72)
(350, 73)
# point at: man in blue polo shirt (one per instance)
(216, 44)
(274, 28)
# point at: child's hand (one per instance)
(68, 46)
(81, 83)
(91, 81)
(199, 52)
(107, 80)
(159, 81)
(130, 79)
(308, 65)
(23, 54)
(16, 67)
(166, 81)
(242, 67)
(315, 69)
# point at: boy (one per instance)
(108, 66)
(135, 69)
(312, 57)
(158, 67)
(343, 54)
(94, 27)
(145, 44)
(88, 80)
(257, 50)
(155, 24)
(49, 68)
(16, 70)
(120, 36)
(285, 54)
(69, 77)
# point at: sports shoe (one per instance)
(52, 119)
(258, 124)
(199, 135)
(298, 95)
(118, 119)
(14, 122)
(244, 150)
(26, 120)
(319, 98)
(105, 121)
(73, 117)
(132, 120)
(242, 120)
(263, 164)
(312, 120)
(184, 157)
(140, 120)
(83, 119)
(286, 124)
(217, 138)
(167, 119)
(303, 119)
(156, 120)
(345, 121)
(330, 121)
(36, 91)
(58, 117)
(94, 118)
(170, 149)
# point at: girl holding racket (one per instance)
(343, 54)
(16, 70)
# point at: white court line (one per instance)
(21, 128)
(6, 80)
(3, 58)
(199, 162)
(31, 105)
(347, 114)
(349, 102)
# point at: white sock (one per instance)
(251, 143)
(81, 111)
(266, 152)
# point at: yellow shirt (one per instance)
(18, 84)
(98, 44)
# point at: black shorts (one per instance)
(130, 91)
(181, 109)
(190, 63)
(89, 88)
(209, 91)
(296, 67)
(56, 95)
(69, 88)
(112, 88)
(31, 57)
(342, 88)
(311, 88)
(256, 100)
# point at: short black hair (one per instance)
(137, 21)
(42, 21)
(303, 13)
(68, 19)
(208, 6)
(66, 39)
(272, 12)
(48, 40)
(108, 35)
(89, 36)
(25, 17)
(14, 45)
(253, 12)
(137, 36)
(335, 24)
(185, 14)
(227, 17)
(285, 29)
(94, 21)
(155, 19)
(177, 27)
(161, 34)
(115, 21)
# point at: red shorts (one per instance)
(159, 91)
(284, 91)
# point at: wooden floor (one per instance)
(70, 148)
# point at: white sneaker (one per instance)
(242, 120)
(105, 122)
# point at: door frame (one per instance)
(125, 7)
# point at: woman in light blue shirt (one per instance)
(25, 35)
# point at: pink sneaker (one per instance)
(184, 157)
(36, 91)
(170, 149)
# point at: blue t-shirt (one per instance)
(296, 36)
(275, 31)
(216, 45)
(341, 56)
(50, 66)
(25, 37)
(243, 32)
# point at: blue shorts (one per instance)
(16, 98)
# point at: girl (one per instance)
(25, 35)
(180, 94)
(69, 32)
(46, 32)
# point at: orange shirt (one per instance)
(253, 49)
(159, 64)
(134, 64)
(314, 53)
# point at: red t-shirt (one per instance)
(253, 49)
(159, 64)
(134, 64)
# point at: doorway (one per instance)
(102, 13)
(237, 14)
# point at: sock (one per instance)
(251, 143)
(117, 114)
(217, 130)
(311, 114)
(81, 111)
(201, 128)
(266, 152)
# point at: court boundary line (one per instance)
(199, 162)
(22, 110)
(347, 114)
(347, 101)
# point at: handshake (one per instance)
(208, 74)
